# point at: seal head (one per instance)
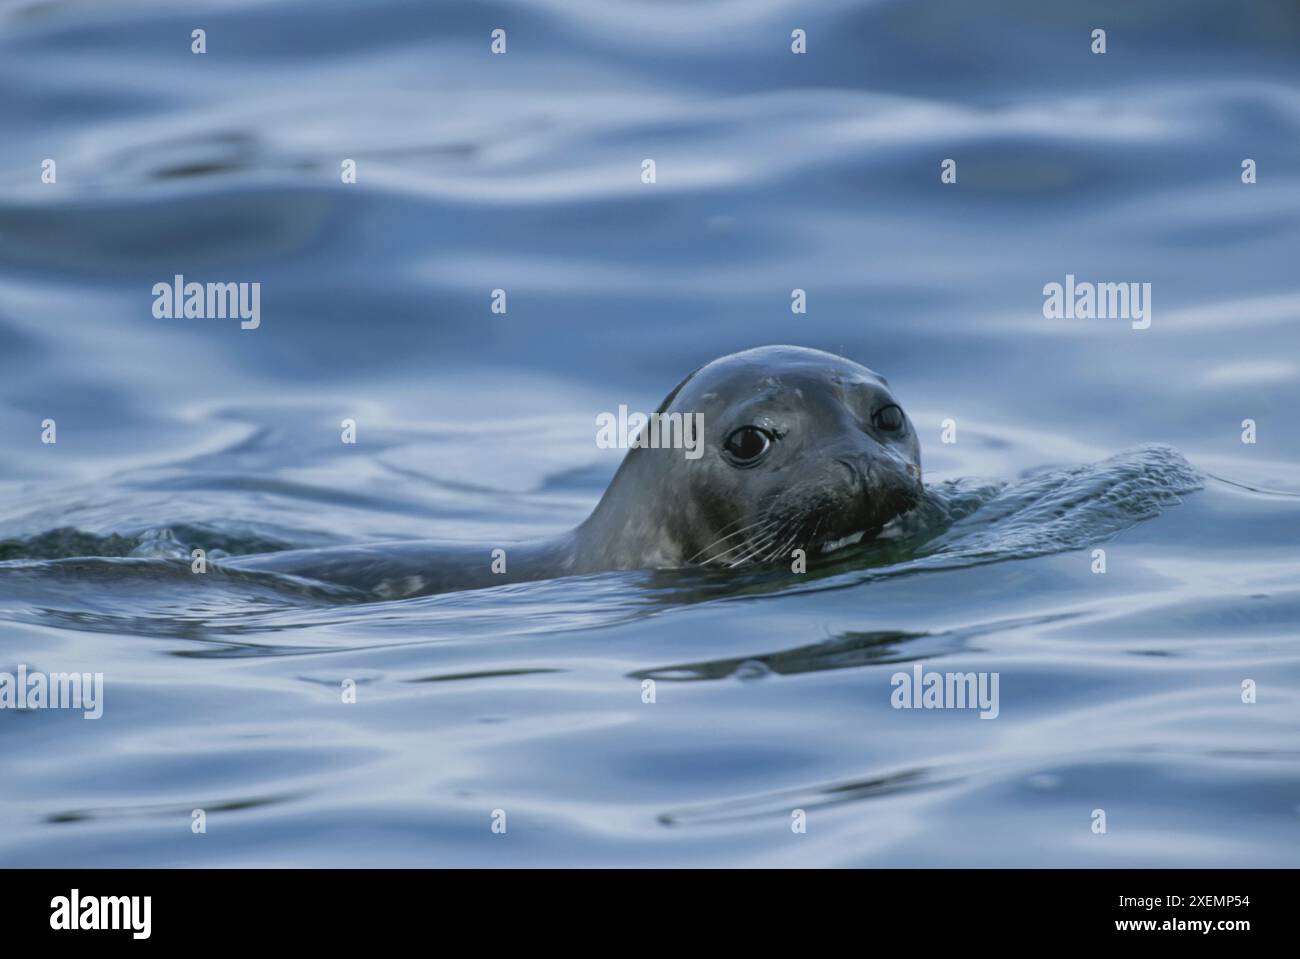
(801, 450)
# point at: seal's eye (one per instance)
(747, 444)
(888, 418)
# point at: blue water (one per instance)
(1119, 691)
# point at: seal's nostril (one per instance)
(859, 472)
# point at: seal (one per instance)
(801, 450)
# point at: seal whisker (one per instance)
(766, 525)
(787, 544)
(812, 537)
(747, 548)
(717, 542)
(776, 553)
(757, 548)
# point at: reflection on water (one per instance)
(846, 652)
(771, 806)
(776, 172)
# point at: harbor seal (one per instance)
(801, 449)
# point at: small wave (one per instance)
(1063, 509)
(163, 542)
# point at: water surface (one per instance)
(1119, 691)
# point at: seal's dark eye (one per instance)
(888, 418)
(747, 444)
